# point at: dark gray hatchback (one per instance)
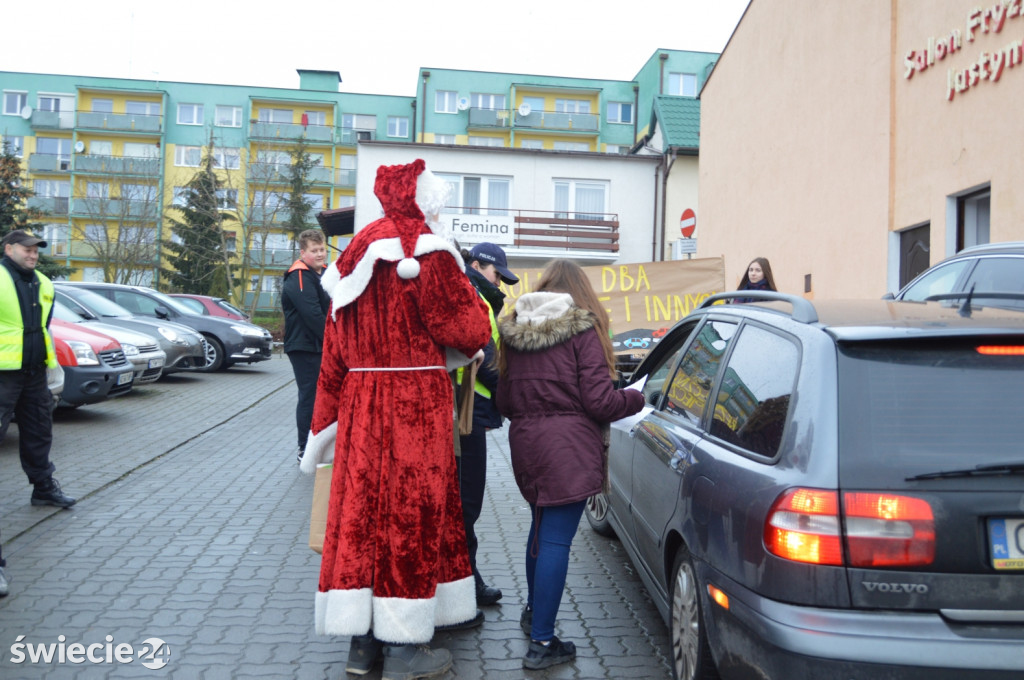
(829, 490)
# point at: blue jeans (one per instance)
(547, 562)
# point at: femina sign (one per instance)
(499, 229)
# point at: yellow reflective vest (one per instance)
(12, 326)
(478, 386)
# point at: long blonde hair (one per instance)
(565, 276)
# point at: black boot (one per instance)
(49, 493)
(526, 620)
(486, 595)
(408, 662)
(544, 656)
(363, 653)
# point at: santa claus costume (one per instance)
(394, 556)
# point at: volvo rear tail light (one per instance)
(803, 526)
(888, 530)
(1001, 350)
(881, 529)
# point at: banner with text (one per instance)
(643, 299)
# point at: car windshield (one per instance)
(908, 408)
(97, 304)
(171, 302)
(65, 313)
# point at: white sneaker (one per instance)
(3, 583)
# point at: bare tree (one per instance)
(120, 231)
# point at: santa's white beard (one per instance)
(440, 229)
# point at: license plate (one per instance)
(124, 378)
(1006, 537)
(156, 363)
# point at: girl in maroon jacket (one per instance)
(555, 386)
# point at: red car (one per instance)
(95, 367)
(210, 306)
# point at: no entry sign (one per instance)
(688, 223)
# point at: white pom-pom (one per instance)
(408, 268)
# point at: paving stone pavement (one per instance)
(191, 527)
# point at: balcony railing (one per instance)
(49, 162)
(121, 122)
(268, 214)
(135, 209)
(98, 249)
(320, 175)
(573, 232)
(481, 117)
(117, 165)
(53, 205)
(272, 257)
(52, 120)
(345, 177)
(275, 173)
(322, 134)
(352, 136)
(267, 300)
(556, 120)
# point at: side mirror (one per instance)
(889, 296)
(162, 312)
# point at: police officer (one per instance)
(26, 351)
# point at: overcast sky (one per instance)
(376, 46)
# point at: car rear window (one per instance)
(908, 408)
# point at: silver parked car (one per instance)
(143, 351)
(185, 348)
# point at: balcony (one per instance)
(116, 208)
(48, 162)
(313, 134)
(268, 300)
(488, 118)
(51, 205)
(268, 215)
(52, 120)
(272, 173)
(554, 121)
(321, 175)
(117, 165)
(345, 177)
(134, 123)
(352, 136)
(272, 257)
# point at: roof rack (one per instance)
(803, 310)
(993, 246)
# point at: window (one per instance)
(997, 275)
(398, 126)
(620, 112)
(314, 118)
(16, 144)
(444, 139)
(344, 201)
(48, 103)
(227, 116)
(487, 101)
(95, 233)
(60, 147)
(226, 157)
(688, 391)
(654, 386)
(358, 121)
(100, 148)
(14, 102)
(571, 146)
(580, 200)
(275, 116)
(138, 192)
(616, 148)
(51, 188)
(270, 157)
(273, 241)
(941, 279)
(190, 114)
(135, 108)
(315, 201)
(572, 106)
(102, 105)
(227, 199)
(134, 235)
(180, 197)
(269, 199)
(531, 143)
(97, 190)
(93, 274)
(753, 398)
(188, 156)
(140, 150)
(972, 218)
(445, 101)
(682, 84)
(486, 141)
(477, 194)
(535, 103)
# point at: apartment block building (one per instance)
(108, 159)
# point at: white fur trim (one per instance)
(344, 612)
(408, 268)
(344, 290)
(395, 619)
(319, 448)
(453, 358)
(535, 308)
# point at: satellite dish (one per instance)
(26, 112)
(79, 146)
(463, 104)
(524, 109)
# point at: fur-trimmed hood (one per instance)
(543, 320)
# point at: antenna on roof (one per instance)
(965, 308)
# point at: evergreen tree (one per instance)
(14, 210)
(299, 207)
(198, 257)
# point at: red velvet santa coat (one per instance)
(394, 557)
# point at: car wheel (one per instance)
(691, 655)
(214, 354)
(597, 514)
